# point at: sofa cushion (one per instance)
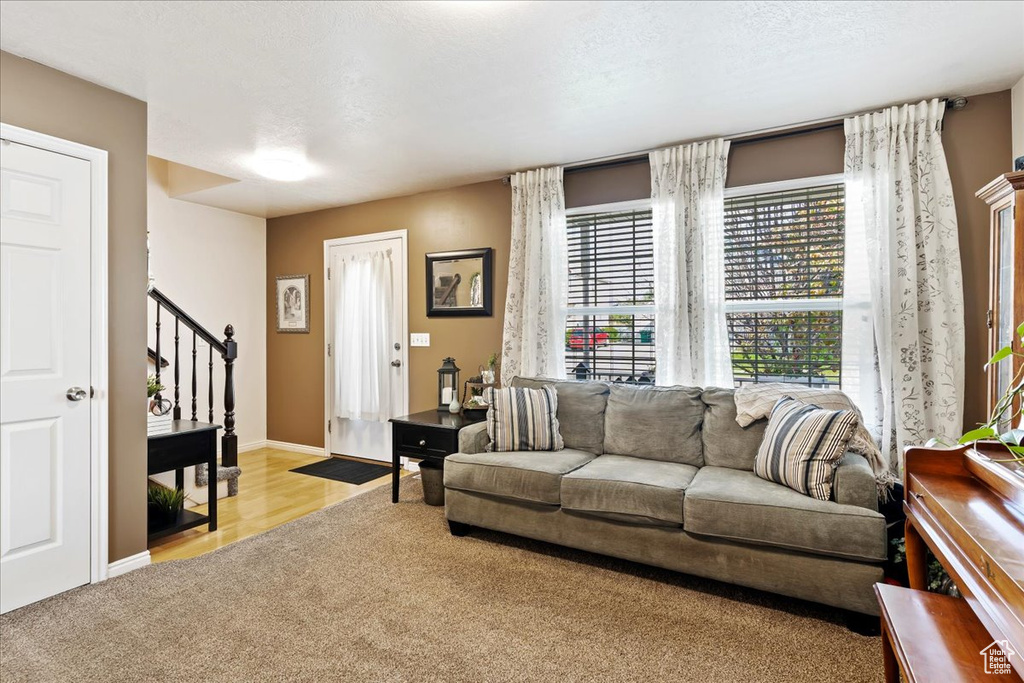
(740, 506)
(658, 423)
(524, 475)
(581, 407)
(624, 485)
(726, 444)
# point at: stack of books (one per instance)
(158, 424)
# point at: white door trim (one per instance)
(98, 449)
(360, 239)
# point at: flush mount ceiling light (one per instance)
(281, 165)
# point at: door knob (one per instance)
(396, 363)
(76, 394)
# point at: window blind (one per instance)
(610, 323)
(784, 285)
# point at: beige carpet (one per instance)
(370, 591)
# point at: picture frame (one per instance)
(292, 297)
(460, 284)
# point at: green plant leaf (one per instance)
(975, 434)
(1016, 450)
(999, 355)
(1020, 330)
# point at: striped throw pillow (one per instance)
(802, 446)
(521, 419)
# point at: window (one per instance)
(784, 281)
(609, 332)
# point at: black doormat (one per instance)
(348, 471)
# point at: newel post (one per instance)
(229, 441)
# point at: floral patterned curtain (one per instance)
(903, 320)
(533, 340)
(688, 211)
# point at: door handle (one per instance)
(76, 394)
(396, 363)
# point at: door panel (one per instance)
(30, 457)
(45, 220)
(31, 298)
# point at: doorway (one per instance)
(53, 382)
(366, 334)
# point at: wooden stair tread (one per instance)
(935, 637)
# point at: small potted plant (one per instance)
(490, 373)
(164, 504)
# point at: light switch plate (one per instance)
(419, 339)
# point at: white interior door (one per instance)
(370, 439)
(45, 209)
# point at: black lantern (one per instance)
(447, 383)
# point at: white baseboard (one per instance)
(128, 564)
(254, 446)
(295, 447)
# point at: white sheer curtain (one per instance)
(687, 198)
(533, 341)
(362, 334)
(903, 307)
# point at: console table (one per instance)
(187, 444)
(430, 435)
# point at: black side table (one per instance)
(188, 443)
(430, 435)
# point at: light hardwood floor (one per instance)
(268, 496)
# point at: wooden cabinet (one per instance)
(1005, 199)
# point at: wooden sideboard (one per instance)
(968, 509)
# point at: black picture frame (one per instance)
(443, 299)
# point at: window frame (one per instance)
(795, 305)
(611, 207)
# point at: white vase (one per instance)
(454, 406)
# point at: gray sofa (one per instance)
(663, 476)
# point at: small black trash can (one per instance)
(432, 478)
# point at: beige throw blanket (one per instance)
(755, 401)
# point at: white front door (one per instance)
(370, 439)
(45, 210)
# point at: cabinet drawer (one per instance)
(415, 440)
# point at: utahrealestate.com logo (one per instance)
(997, 657)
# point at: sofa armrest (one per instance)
(854, 483)
(474, 439)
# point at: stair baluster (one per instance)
(229, 441)
(157, 397)
(177, 372)
(194, 404)
(211, 386)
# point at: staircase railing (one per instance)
(228, 350)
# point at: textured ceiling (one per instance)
(391, 98)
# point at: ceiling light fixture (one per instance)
(281, 165)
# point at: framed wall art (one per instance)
(460, 283)
(293, 303)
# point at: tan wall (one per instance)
(41, 99)
(465, 217)
(977, 141)
(1017, 97)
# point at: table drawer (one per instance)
(415, 440)
(183, 450)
